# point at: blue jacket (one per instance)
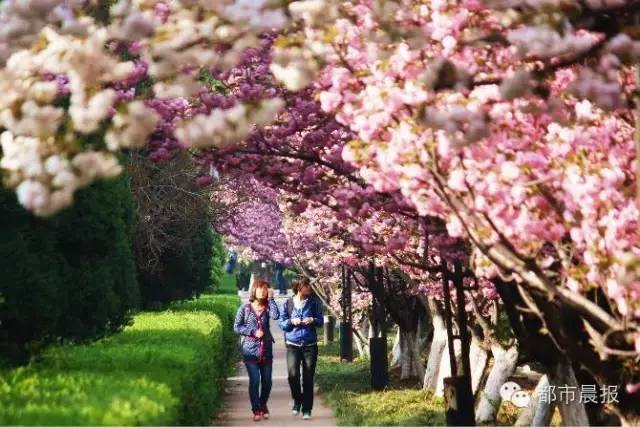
(302, 334)
(246, 324)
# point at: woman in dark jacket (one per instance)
(300, 317)
(252, 322)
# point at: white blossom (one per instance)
(33, 195)
(87, 114)
(131, 129)
(43, 157)
(293, 67)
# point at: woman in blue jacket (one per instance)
(300, 317)
(252, 322)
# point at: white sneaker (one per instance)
(306, 416)
(296, 410)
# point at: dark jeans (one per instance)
(259, 383)
(306, 356)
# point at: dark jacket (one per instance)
(246, 324)
(301, 334)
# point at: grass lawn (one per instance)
(346, 390)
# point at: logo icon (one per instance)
(512, 392)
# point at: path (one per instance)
(236, 408)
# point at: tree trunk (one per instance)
(410, 360)
(629, 421)
(571, 409)
(373, 333)
(445, 367)
(478, 357)
(539, 412)
(396, 351)
(408, 347)
(251, 281)
(363, 346)
(503, 367)
(437, 348)
(425, 328)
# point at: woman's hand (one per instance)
(308, 320)
(259, 333)
(296, 321)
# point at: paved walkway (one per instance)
(236, 410)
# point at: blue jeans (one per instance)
(259, 383)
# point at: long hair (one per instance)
(258, 283)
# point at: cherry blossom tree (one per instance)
(513, 125)
(496, 134)
(64, 71)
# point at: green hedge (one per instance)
(71, 276)
(218, 259)
(167, 368)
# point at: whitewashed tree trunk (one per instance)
(445, 366)
(372, 332)
(503, 367)
(539, 411)
(437, 349)
(410, 361)
(572, 410)
(363, 350)
(478, 358)
(629, 421)
(424, 329)
(363, 347)
(396, 351)
(251, 281)
(408, 347)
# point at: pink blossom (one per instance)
(330, 100)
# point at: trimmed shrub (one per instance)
(98, 252)
(166, 368)
(71, 276)
(217, 261)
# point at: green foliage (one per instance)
(182, 274)
(96, 238)
(228, 284)
(166, 368)
(291, 274)
(346, 388)
(144, 86)
(71, 276)
(207, 78)
(217, 261)
(503, 330)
